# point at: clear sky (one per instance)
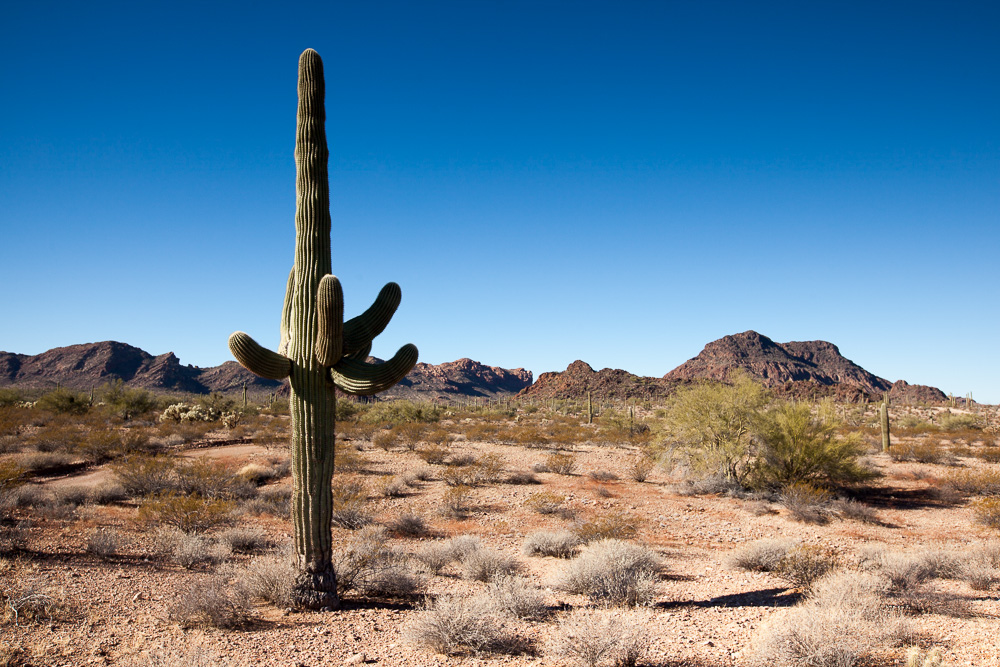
(618, 182)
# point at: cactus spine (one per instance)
(319, 350)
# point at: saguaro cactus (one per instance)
(883, 414)
(319, 350)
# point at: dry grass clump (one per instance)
(487, 564)
(592, 638)
(546, 502)
(841, 623)
(523, 477)
(640, 467)
(602, 476)
(188, 513)
(269, 578)
(986, 512)
(434, 454)
(245, 539)
(558, 543)
(917, 658)
(805, 564)
(608, 527)
(435, 556)
(922, 451)
(373, 568)
(515, 596)
(560, 463)
(409, 525)
(845, 508)
(452, 626)
(456, 501)
(104, 543)
(213, 605)
(393, 487)
(25, 603)
(761, 556)
(806, 503)
(974, 482)
(613, 572)
(350, 494)
(191, 550)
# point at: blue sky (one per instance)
(618, 182)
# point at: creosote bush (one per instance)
(189, 513)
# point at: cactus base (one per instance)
(316, 590)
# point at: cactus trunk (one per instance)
(319, 351)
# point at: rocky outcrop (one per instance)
(459, 379)
(579, 378)
(774, 364)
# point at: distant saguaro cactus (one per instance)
(883, 414)
(318, 349)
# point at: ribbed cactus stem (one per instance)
(319, 350)
(884, 421)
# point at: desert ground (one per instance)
(451, 511)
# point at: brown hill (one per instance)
(579, 378)
(89, 365)
(807, 368)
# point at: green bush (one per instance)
(126, 402)
(391, 413)
(9, 397)
(797, 446)
(712, 424)
(64, 401)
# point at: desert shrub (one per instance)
(271, 579)
(245, 539)
(211, 479)
(463, 475)
(463, 545)
(14, 536)
(841, 623)
(186, 412)
(602, 476)
(190, 550)
(560, 463)
(990, 454)
(986, 512)
(803, 565)
(189, 513)
(435, 556)
(126, 402)
(214, 605)
(640, 467)
(9, 397)
(12, 476)
(145, 475)
(390, 413)
(546, 502)
(913, 425)
(921, 451)
(613, 572)
(522, 478)
(979, 574)
(348, 459)
(515, 596)
(276, 500)
(27, 603)
(349, 497)
(806, 503)
(103, 543)
(561, 543)
(373, 568)
(490, 468)
(64, 401)
(845, 508)
(393, 487)
(455, 502)
(452, 626)
(711, 426)
(974, 482)
(761, 556)
(409, 525)
(592, 637)
(608, 527)
(434, 454)
(958, 422)
(487, 564)
(71, 495)
(384, 439)
(58, 436)
(797, 446)
(409, 434)
(37, 462)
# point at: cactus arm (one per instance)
(360, 378)
(330, 322)
(286, 314)
(258, 359)
(361, 354)
(359, 331)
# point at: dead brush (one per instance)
(189, 513)
(803, 565)
(594, 637)
(515, 596)
(560, 463)
(560, 544)
(546, 502)
(615, 526)
(373, 568)
(974, 482)
(806, 503)
(456, 501)
(761, 556)
(488, 564)
(350, 493)
(613, 572)
(212, 605)
(452, 626)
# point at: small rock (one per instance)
(356, 659)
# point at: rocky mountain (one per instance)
(579, 378)
(82, 367)
(457, 380)
(810, 368)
